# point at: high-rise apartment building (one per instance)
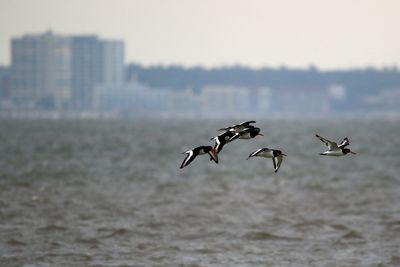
(56, 71)
(41, 70)
(94, 62)
(5, 83)
(86, 62)
(113, 62)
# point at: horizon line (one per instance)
(310, 67)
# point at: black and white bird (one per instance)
(238, 127)
(334, 149)
(249, 133)
(230, 135)
(276, 155)
(201, 150)
(223, 139)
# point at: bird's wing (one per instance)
(224, 129)
(235, 136)
(229, 128)
(255, 153)
(330, 144)
(189, 158)
(277, 162)
(273, 161)
(247, 123)
(218, 144)
(344, 143)
(233, 127)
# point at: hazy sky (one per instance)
(295, 33)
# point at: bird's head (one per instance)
(347, 151)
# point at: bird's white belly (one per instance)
(335, 153)
(245, 136)
(267, 154)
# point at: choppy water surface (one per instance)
(109, 193)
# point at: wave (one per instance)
(263, 235)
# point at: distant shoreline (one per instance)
(57, 115)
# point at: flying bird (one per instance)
(201, 150)
(223, 139)
(276, 155)
(249, 133)
(334, 149)
(238, 127)
(232, 133)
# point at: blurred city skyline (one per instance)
(79, 74)
(334, 35)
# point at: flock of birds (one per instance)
(245, 130)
